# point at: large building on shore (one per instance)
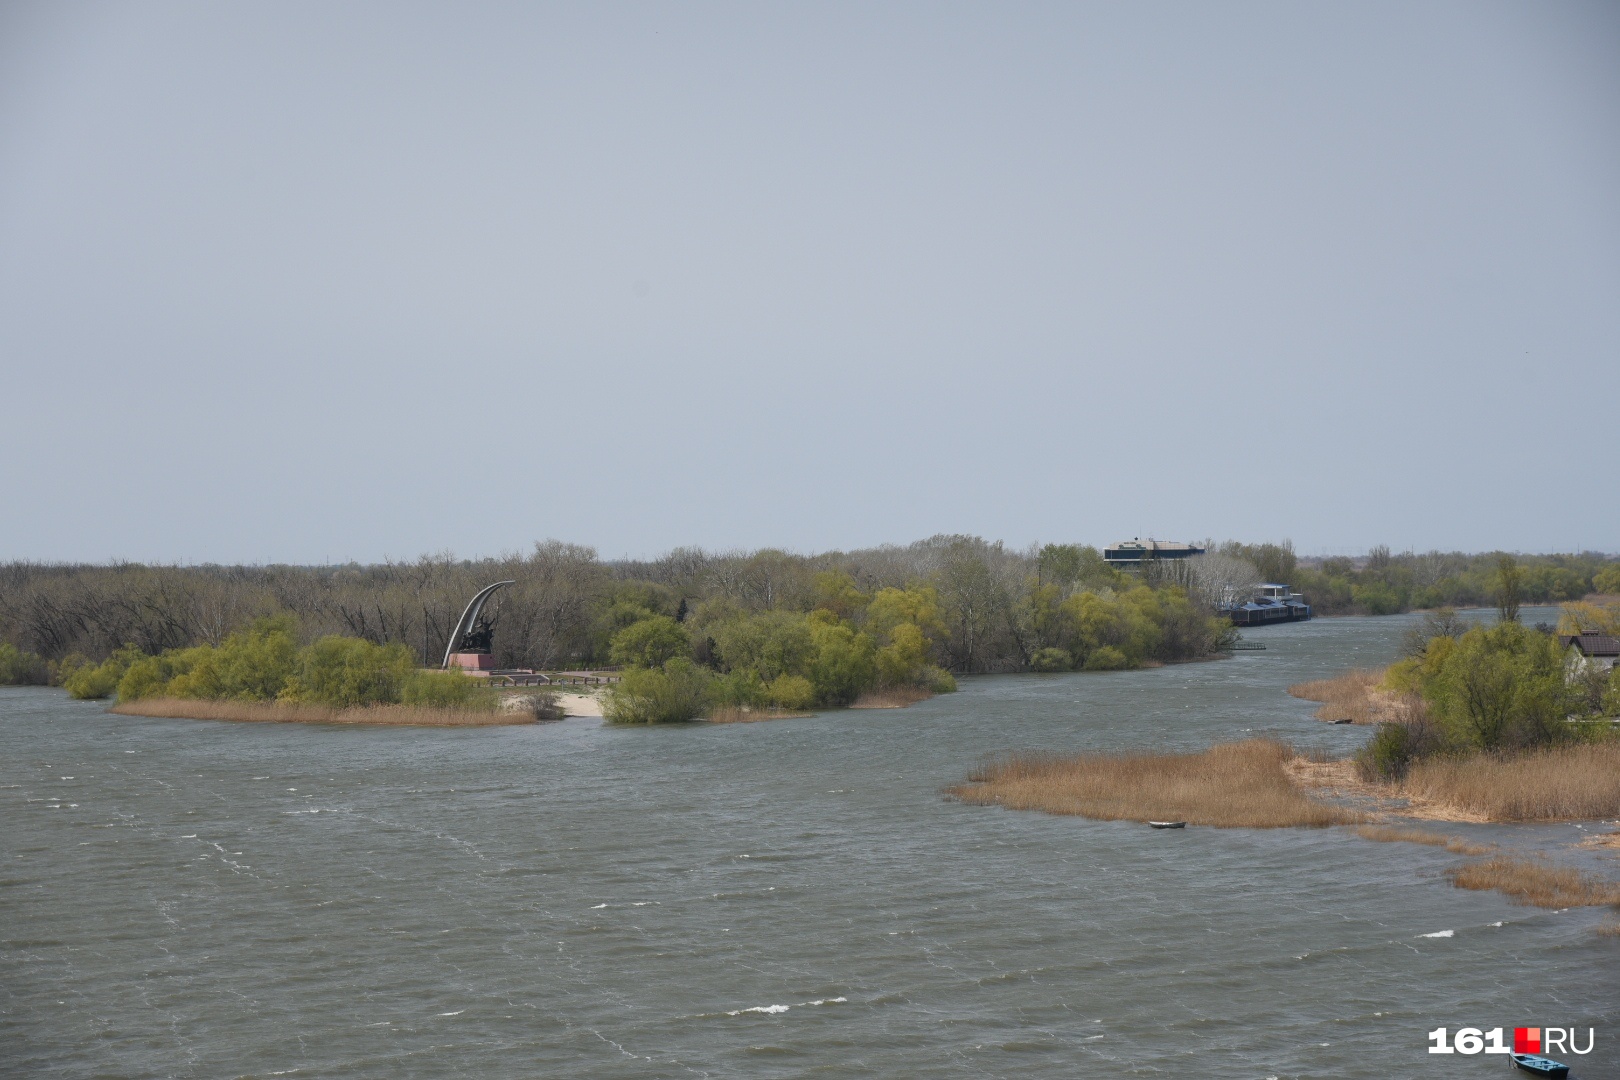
(1131, 554)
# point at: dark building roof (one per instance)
(1592, 644)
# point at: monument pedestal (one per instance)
(472, 661)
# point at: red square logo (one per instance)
(1527, 1040)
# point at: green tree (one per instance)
(845, 663)
(770, 644)
(1500, 687)
(1508, 582)
(650, 642)
(904, 660)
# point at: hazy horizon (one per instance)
(306, 284)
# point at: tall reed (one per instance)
(1536, 883)
(1570, 783)
(1354, 696)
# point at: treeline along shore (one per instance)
(998, 608)
(733, 636)
(991, 609)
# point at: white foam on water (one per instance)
(1498, 924)
(774, 1009)
(595, 906)
(458, 1012)
(1440, 933)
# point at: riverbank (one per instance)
(270, 712)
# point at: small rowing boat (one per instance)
(1168, 824)
(1540, 1066)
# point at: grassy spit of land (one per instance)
(1232, 785)
(1264, 784)
(1356, 696)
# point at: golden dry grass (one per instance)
(731, 714)
(1353, 696)
(1572, 783)
(1610, 929)
(1230, 785)
(1390, 834)
(897, 697)
(270, 712)
(1537, 883)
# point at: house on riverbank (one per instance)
(1590, 648)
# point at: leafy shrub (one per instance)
(1051, 659)
(19, 668)
(740, 689)
(680, 690)
(345, 671)
(446, 690)
(1394, 747)
(87, 682)
(1607, 580)
(938, 680)
(791, 692)
(1107, 658)
(152, 676)
(543, 704)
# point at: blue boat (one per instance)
(1272, 603)
(1540, 1066)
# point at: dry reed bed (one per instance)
(729, 714)
(1572, 783)
(1390, 834)
(1537, 883)
(1353, 696)
(270, 712)
(1231, 785)
(894, 698)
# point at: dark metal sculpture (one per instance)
(473, 633)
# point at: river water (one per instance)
(784, 899)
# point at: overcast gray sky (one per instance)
(305, 282)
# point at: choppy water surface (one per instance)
(783, 899)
